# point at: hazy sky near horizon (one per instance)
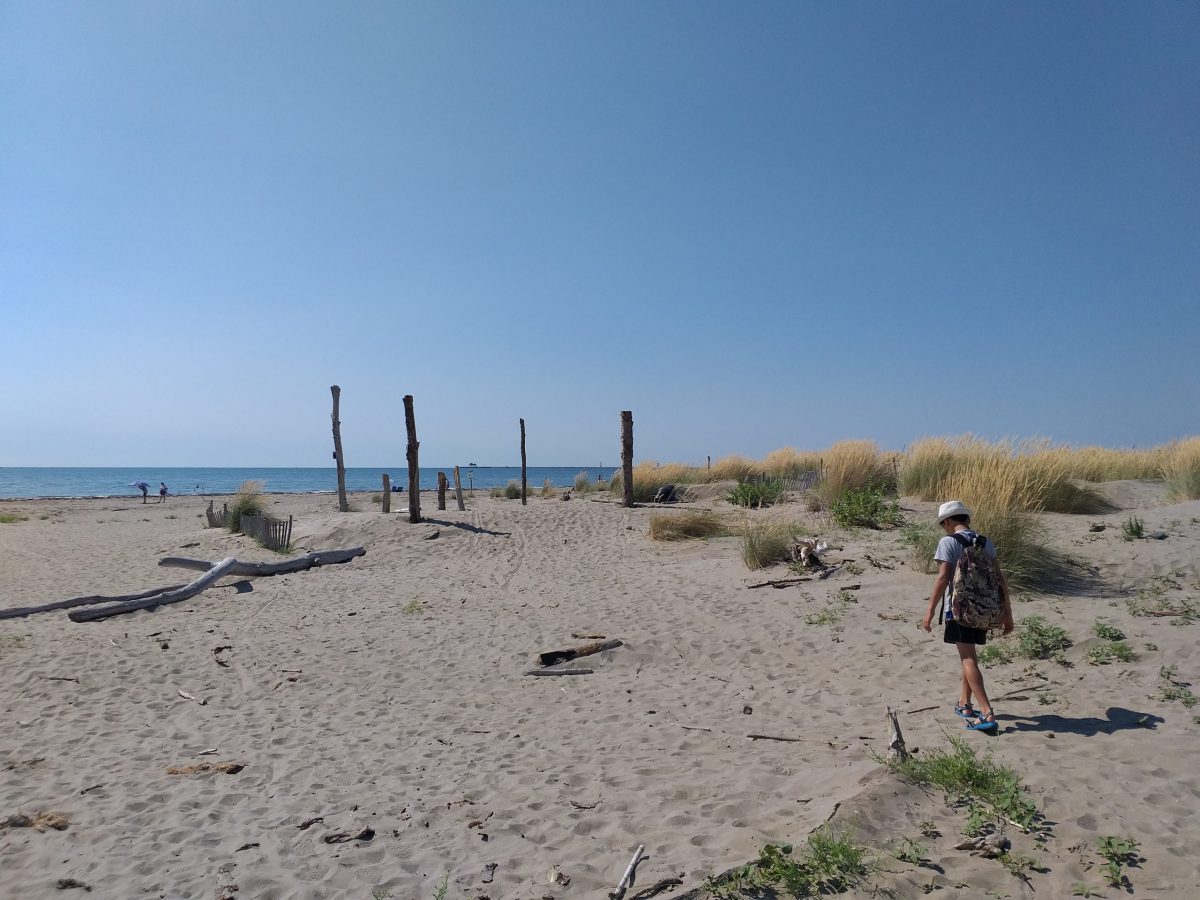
(755, 225)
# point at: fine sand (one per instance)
(388, 693)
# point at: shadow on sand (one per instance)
(474, 529)
(1118, 719)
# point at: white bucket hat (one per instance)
(952, 508)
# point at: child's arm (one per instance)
(939, 590)
(1006, 623)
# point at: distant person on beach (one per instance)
(143, 487)
(162, 492)
(980, 575)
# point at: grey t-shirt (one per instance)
(950, 551)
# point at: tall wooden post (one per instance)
(458, 490)
(343, 504)
(414, 467)
(524, 479)
(627, 455)
(442, 490)
(387, 492)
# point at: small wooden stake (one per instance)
(414, 469)
(627, 456)
(343, 503)
(458, 490)
(387, 492)
(524, 479)
(442, 484)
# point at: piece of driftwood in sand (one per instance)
(553, 657)
(458, 490)
(779, 582)
(551, 672)
(287, 567)
(897, 752)
(343, 503)
(442, 484)
(207, 580)
(22, 611)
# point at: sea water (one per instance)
(46, 481)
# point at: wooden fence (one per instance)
(274, 534)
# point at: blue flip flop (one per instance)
(966, 712)
(984, 724)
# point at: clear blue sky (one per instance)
(754, 224)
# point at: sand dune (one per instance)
(388, 694)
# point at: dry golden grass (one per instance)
(853, 465)
(1181, 469)
(687, 525)
(765, 543)
(790, 463)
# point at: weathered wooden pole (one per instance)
(343, 504)
(387, 492)
(524, 479)
(414, 469)
(442, 483)
(458, 490)
(627, 455)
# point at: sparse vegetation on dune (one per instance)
(855, 466)
(767, 543)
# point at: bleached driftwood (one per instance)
(22, 611)
(779, 582)
(619, 891)
(553, 657)
(207, 580)
(559, 672)
(288, 566)
(897, 752)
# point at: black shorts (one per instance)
(961, 634)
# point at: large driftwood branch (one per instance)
(22, 611)
(207, 580)
(299, 564)
(553, 657)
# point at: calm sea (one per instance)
(42, 482)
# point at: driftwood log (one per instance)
(21, 612)
(553, 657)
(288, 566)
(213, 572)
(207, 580)
(552, 672)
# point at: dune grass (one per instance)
(1181, 469)
(11, 518)
(855, 466)
(687, 525)
(766, 543)
(247, 502)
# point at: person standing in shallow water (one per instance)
(955, 519)
(162, 492)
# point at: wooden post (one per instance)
(710, 462)
(343, 504)
(524, 480)
(627, 455)
(442, 485)
(458, 490)
(387, 492)
(414, 469)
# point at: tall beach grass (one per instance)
(1181, 469)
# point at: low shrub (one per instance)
(865, 507)
(756, 494)
(830, 863)
(512, 490)
(583, 483)
(1038, 640)
(1117, 651)
(1107, 631)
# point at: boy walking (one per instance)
(955, 520)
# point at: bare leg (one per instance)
(972, 677)
(964, 692)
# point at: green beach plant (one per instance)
(970, 780)
(1117, 651)
(829, 863)
(11, 518)
(1133, 528)
(1108, 632)
(1118, 853)
(756, 494)
(865, 507)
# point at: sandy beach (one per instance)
(388, 694)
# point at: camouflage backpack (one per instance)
(975, 595)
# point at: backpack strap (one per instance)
(961, 538)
